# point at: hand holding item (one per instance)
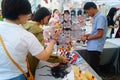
(57, 33)
(57, 25)
(65, 60)
(116, 26)
(83, 38)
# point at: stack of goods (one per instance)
(78, 75)
(73, 56)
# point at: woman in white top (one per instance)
(18, 41)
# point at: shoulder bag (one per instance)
(28, 75)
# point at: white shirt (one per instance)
(18, 42)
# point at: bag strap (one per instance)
(6, 51)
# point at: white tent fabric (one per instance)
(117, 5)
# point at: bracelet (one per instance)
(54, 39)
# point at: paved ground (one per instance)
(110, 76)
(106, 74)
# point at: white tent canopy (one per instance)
(117, 5)
(109, 2)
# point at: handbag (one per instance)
(28, 75)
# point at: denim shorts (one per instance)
(21, 77)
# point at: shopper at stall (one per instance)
(40, 17)
(117, 35)
(111, 22)
(95, 40)
(18, 41)
(67, 17)
(55, 17)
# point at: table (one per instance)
(43, 71)
(116, 62)
(110, 53)
(115, 41)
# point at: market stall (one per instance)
(110, 53)
(44, 72)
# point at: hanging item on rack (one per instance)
(46, 1)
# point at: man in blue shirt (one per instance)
(95, 40)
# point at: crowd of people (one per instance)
(22, 35)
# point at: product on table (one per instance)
(78, 75)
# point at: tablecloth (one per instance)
(110, 54)
(43, 71)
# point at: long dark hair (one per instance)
(40, 14)
(11, 9)
(111, 15)
(112, 12)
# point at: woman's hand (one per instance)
(57, 33)
(65, 60)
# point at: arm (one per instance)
(115, 26)
(99, 34)
(45, 54)
(83, 37)
(101, 23)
